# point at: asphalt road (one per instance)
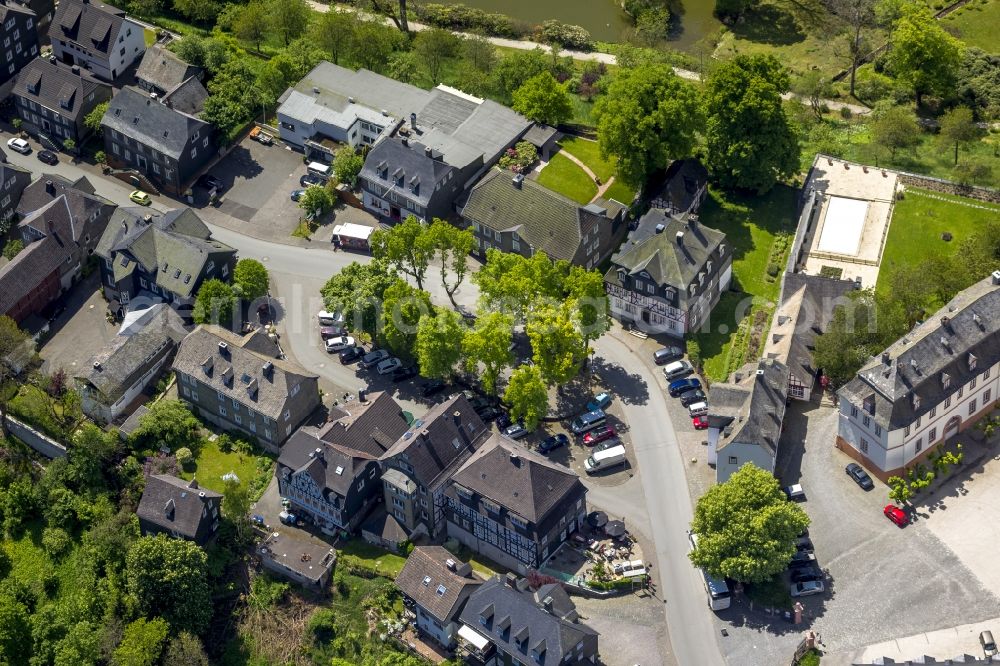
(298, 272)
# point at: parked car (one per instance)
(19, 145)
(676, 370)
(599, 435)
(140, 197)
(503, 420)
(433, 386)
(516, 430)
(804, 545)
(989, 645)
(338, 344)
(665, 355)
(802, 559)
(388, 366)
(552, 443)
(309, 179)
(806, 574)
(297, 194)
(374, 357)
(210, 182)
(807, 588)
(896, 515)
(350, 355)
(330, 318)
(287, 518)
(48, 157)
(795, 492)
(681, 385)
(608, 444)
(699, 422)
(404, 373)
(600, 401)
(689, 397)
(491, 413)
(860, 476)
(327, 332)
(699, 408)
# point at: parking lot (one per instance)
(80, 331)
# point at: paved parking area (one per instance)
(80, 331)
(631, 627)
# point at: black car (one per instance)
(802, 560)
(350, 355)
(691, 397)
(860, 476)
(210, 182)
(433, 386)
(552, 443)
(804, 545)
(309, 179)
(807, 574)
(503, 420)
(47, 156)
(489, 413)
(665, 355)
(404, 373)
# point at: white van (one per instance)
(588, 421)
(698, 409)
(319, 169)
(602, 460)
(677, 369)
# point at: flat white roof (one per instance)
(468, 633)
(843, 226)
(352, 230)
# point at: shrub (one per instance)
(461, 17)
(224, 442)
(694, 353)
(565, 35)
(55, 541)
(184, 456)
(519, 158)
(12, 248)
(772, 269)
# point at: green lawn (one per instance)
(149, 36)
(976, 24)
(750, 224)
(366, 555)
(211, 464)
(563, 176)
(35, 407)
(918, 222)
(589, 153)
(32, 566)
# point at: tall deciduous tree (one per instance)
(439, 343)
(488, 344)
(647, 118)
(15, 631)
(746, 527)
(236, 96)
(527, 395)
(169, 577)
(250, 278)
(252, 22)
(588, 301)
(514, 69)
(168, 423)
(751, 143)
(185, 649)
(93, 119)
(859, 15)
(358, 291)
(372, 44)
(515, 284)
(434, 47)
(214, 303)
(924, 55)
(236, 504)
(407, 247)
(199, 11)
(316, 200)
(452, 247)
(347, 164)
(895, 128)
(142, 643)
(543, 99)
(958, 127)
(11, 339)
(395, 10)
(556, 344)
(334, 31)
(403, 308)
(289, 18)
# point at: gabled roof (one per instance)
(188, 97)
(369, 427)
(764, 389)
(522, 481)
(175, 504)
(92, 25)
(412, 164)
(331, 467)
(135, 114)
(682, 183)
(51, 83)
(25, 272)
(53, 204)
(659, 254)
(21, 177)
(435, 585)
(442, 439)
(163, 69)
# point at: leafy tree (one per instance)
(404, 66)
(236, 504)
(751, 143)
(214, 303)
(13, 248)
(169, 577)
(452, 247)
(899, 490)
(652, 25)
(556, 343)
(250, 279)
(394, 10)
(479, 52)
(404, 306)
(199, 11)
(746, 527)
(923, 55)
(895, 128)
(91, 459)
(236, 96)
(207, 52)
(107, 542)
(101, 157)
(185, 649)
(439, 343)
(488, 344)
(647, 118)
(543, 99)
(588, 300)
(527, 395)
(814, 87)
(142, 643)
(15, 632)
(372, 44)
(80, 645)
(92, 120)
(168, 423)
(334, 31)
(979, 254)
(317, 200)
(434, 47)
(859, 15)
(289, 18)
(347, 164)
(514, 69)
(406, 247)
(69, 145)
(252, 22)
(515, 284)
(358, 291)
(959, 127)
(11, 339)
(145, 8)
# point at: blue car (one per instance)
(552, 443)
(682, 385)
(600, 401)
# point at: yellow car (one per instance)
(140, 198)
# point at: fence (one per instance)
(45, 445)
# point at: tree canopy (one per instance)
(403, 308)
(543, 99)
(168, 423)
(358, 291)
(488, 344)
(250, 279)
(214, 303)
(169, 578)
(407, 247)
(438, 346)
(923, 55)
(527, 395)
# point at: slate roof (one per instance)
(54, 204)
(511, 614)
(368, 427)
(385, 526)
(125, 359)
(175, 504)
(188, 97)
(681, 184)
(39, 193)
(757, 420)
(173, 246)
(331, 466)
(21, 176)
(546, 220)
(273, 388)
(56, 84)
(439, 441)
(433, 585)
(92, 25)
(163, 69)
(412, 163)
(659, 254)
(917, 363)
(26, 271)
(135, 114)
(516, 478)
(126, 429)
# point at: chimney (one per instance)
(946, 323)
(450, 563)
(547, 604)
(680, 238)
(267, 368)
(660, 228)
(319, 453)
(457, 415)
(50, 187)
(315, 90)
(223, 347)
(350, 100)
(515, 459)
(977, 320)
(75, 69)
(97, 366)
(517, 181)
(886, 359)
(413, 121)
(362, 395)
(428, 151)
(147, 218)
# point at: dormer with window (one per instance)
(972, 362)
(521, 638)
(462, 491)
(916, 401)
(869, 404)
(491, 506)
(945, 381)
(415, 185)
(383, 170)
(486, 615)
(722, 250)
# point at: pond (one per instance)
(604, 19)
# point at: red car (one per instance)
(598, 435)
(896, 515)
(699, 423)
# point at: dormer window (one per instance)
(972, 362)
(722, 249)
(945, 381)
(869, 404)
(916, 401)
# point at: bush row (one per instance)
(471, 19)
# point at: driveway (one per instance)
(80, 331)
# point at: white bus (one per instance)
(719, 596)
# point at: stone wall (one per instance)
(949, 187)
(45, 445)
